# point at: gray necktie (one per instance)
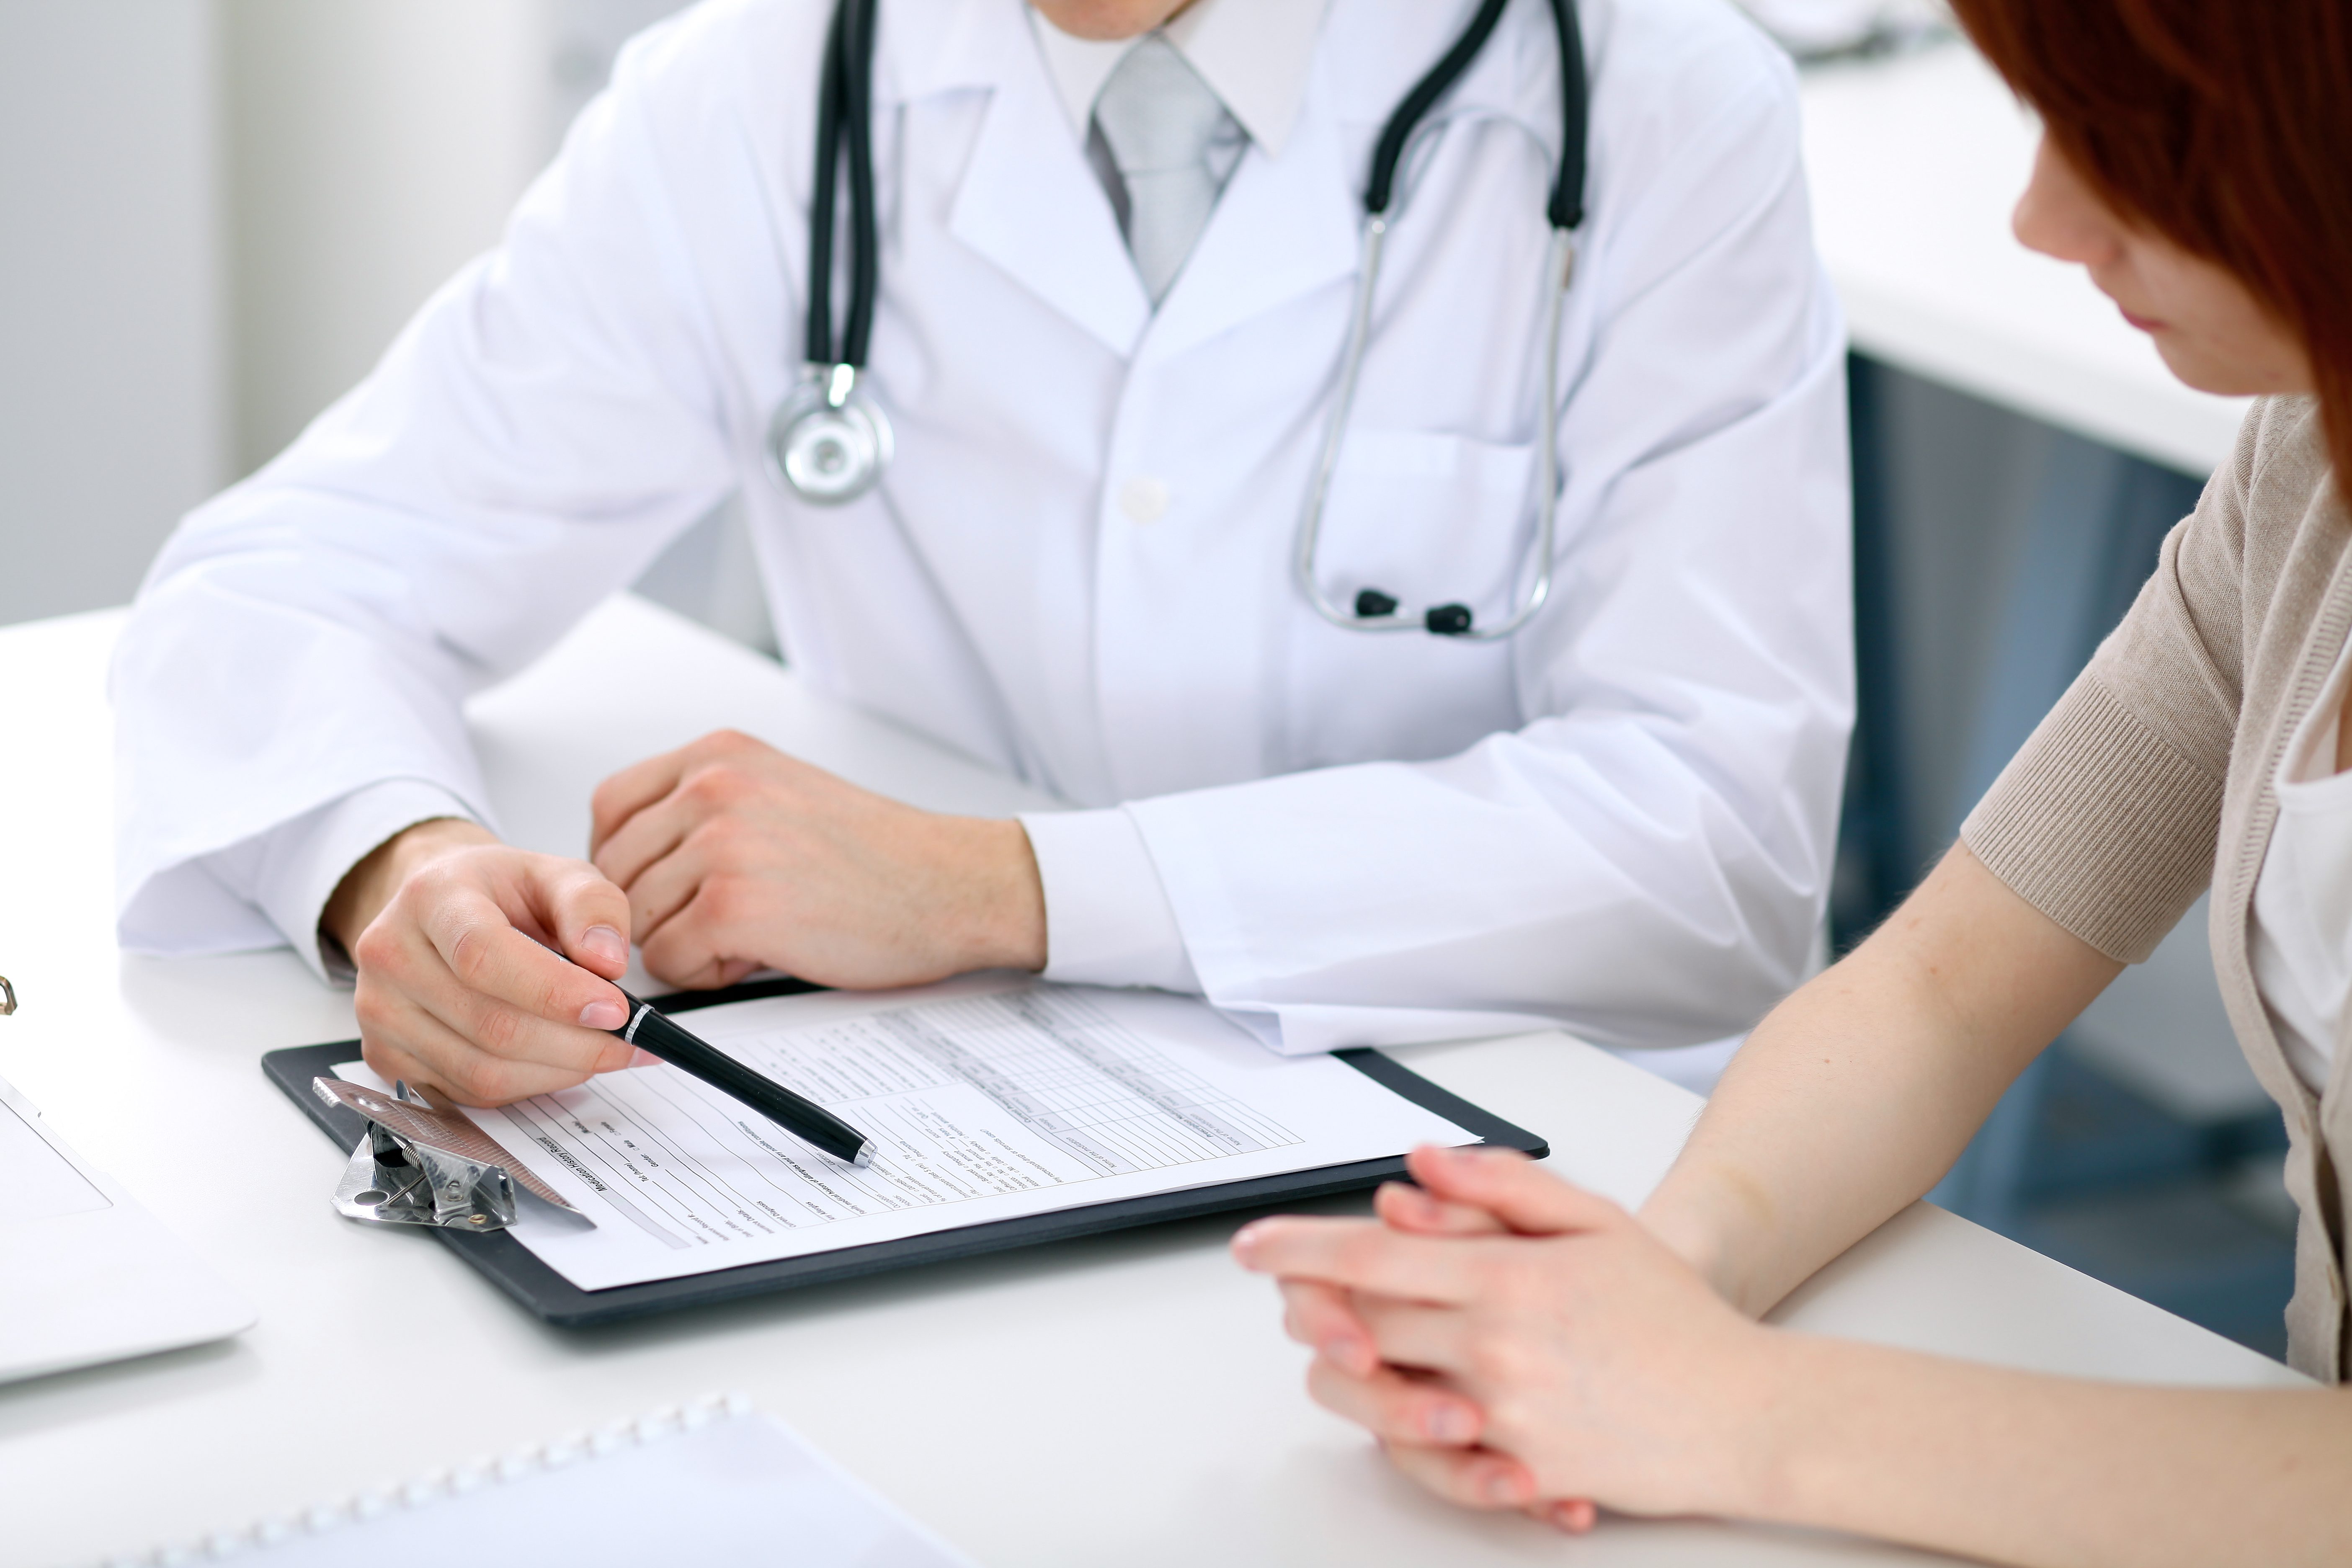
(1173, 145)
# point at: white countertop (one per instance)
(1915, 163)
(1128, 1399)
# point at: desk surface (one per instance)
(1915, 162)
(1127, 1399)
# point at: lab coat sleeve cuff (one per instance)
(304, 861)
(1107, 918)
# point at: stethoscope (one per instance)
(830, 440)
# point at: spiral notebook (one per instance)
(714, 1484)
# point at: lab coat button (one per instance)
(1143, 500)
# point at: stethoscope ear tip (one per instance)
(1440, 620)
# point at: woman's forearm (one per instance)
(2053, 1472)
(1824, 1128)
(1857, 1093)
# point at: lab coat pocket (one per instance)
(1427, 518)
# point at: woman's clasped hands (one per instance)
(1514, 1342)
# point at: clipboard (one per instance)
(539, 1290)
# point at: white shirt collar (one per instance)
(1253, 54)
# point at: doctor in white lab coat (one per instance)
(1078, 566)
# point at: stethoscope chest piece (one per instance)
(829, 440)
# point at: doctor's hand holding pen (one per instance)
(721, 857)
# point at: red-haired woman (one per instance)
(2197, 161)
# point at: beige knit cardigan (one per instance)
(2153, 778)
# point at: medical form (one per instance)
(989, 1101)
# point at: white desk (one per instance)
(1915, 162)
(1126, 1400)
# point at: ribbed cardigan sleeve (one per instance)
(2101, 826)
(2107, 818)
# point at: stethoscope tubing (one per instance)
(1559, 270)
(845, 110)
(1565, 209)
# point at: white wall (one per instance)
(213, 216)
(113, 412)
(582, 37)
(373, 146)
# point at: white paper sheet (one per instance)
(991, 1100)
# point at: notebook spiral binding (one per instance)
(671, 1421)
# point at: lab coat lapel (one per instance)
(1287, 226)
(1030, 203)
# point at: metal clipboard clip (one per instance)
(420, 1164)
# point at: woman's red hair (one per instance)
(2226, 127)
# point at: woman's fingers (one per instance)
(1571, 1515)
(1409, 1334)
(1512, 1188)
(1592, 1359)
(1397, 1408)
(1409, 1209)
(1480, 1478)
(1361, 1255)
(1321, 1315)
(1356, 1332)
(1474, 1478)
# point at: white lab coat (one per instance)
(1621, 820)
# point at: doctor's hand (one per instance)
(736, 857)
(1549, 1353)
(456, 992)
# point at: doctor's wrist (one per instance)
(999, 920)
(370, 885)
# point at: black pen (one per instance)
(652, 1032)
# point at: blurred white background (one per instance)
(216, 213)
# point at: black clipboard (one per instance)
(541, 1290)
